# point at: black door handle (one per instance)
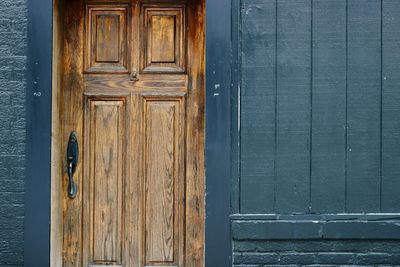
(72, 162)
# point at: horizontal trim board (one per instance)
(319, 217)
(315, 230)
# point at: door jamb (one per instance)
(38, 133)
(218, 132)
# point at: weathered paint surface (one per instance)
(217, 236)
(318, 120)
(319, 106)
(13, 25)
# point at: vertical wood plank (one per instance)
(135, 41)
(195, 180)
(364, 106)
(391, 107)
(293, 106)
(258, 95)
(132, 184)
(328, 109)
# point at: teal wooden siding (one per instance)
(390, 199)
(319, 107)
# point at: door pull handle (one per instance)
(72, 162)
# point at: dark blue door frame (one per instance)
(38, 143)
(218, 132)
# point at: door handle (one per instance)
(72, 162)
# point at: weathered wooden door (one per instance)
(133, 91)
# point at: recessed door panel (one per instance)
(164, 184)
(106, 39)
(163, 41)
(104, 187)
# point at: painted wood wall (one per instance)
(319, 111)
(316, 132)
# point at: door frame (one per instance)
(40, 83)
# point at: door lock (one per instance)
(72, 162)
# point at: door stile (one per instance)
(195, 175)
(72, 120)
(136, 162)
(135, 36)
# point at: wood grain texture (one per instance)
(71, 119)
(163, 43)
(160, 176)
(195, 126)
(105, 218)
(133, 203)
(106, 40)
(106, 178)
(106, 44)
(164, 180)
(141, 174)
(105, 127)
(147, 84)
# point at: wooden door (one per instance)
(133, 91)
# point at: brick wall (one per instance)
(316, 253)
(13, 37)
